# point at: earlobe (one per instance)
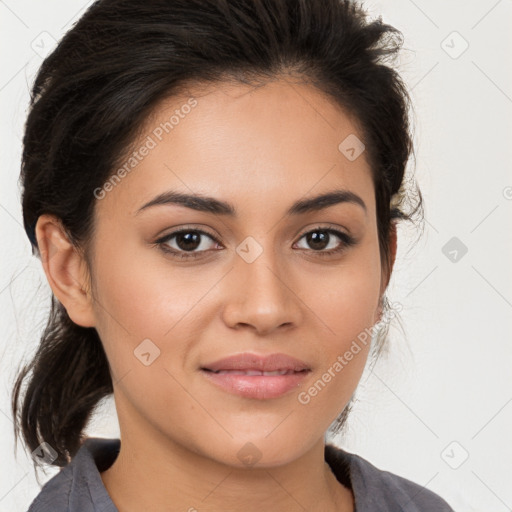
(65, 269)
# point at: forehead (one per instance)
(254, 146)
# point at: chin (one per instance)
(259, 451)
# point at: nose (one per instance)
(262, 295)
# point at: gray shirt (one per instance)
(78, 487)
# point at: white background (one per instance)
(450, 378)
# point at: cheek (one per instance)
(147, 305)
(347, 298)
(346, 303)
(130, 305)
(138, 292)
(143, 319)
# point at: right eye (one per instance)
(186, 241)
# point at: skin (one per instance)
(260, 149)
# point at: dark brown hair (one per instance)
(97, 88)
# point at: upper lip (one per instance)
(263, 363)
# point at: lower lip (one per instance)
(261, 387)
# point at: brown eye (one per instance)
(192, 243)
(185, 242)
(320, 239)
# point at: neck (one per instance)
(155, 468)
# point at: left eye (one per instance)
(321, 236)
(189, 244)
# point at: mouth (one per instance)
(255, 376)
(253, 372)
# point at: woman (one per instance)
(213, 188)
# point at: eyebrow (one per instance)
(211, 205)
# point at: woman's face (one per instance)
(255, 282)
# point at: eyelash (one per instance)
(346, 242)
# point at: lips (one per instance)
(248, 362)
(258, 377)
(254, 372)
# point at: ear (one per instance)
(65, 269)
(393, 242)
(386, 272)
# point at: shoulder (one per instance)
(78, 486)
(54, 496)
(376, 489)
